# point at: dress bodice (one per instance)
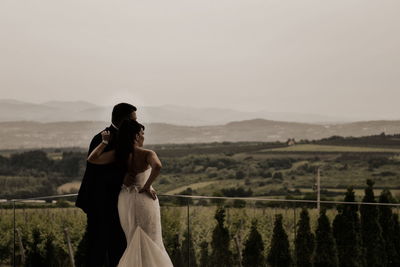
(141, 177)
(139, 180)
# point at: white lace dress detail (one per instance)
(141, 221)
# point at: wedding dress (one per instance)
(141, 221)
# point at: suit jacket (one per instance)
(101, 183)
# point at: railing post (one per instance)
(238, 241)
(21, 247)
(188, 229)
(318, 189)
(294, 224)
(14, 229)
(70, 251)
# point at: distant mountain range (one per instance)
(56, 111)
(32, 135)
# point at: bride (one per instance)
(138, 206)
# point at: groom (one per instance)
(98, 198)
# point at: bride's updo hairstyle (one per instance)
(126, 139)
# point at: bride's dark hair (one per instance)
(125, 140)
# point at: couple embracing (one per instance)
(122, 208)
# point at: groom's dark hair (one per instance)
(121, 112)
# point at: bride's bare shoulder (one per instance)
(150, 152)
(146, 151)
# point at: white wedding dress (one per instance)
(141, 221)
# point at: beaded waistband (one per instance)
(131, 187)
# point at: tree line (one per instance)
(33, 173)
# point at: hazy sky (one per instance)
(330, 57)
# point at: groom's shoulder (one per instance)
(98, 135)
(96, 139)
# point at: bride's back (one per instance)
(137, 164)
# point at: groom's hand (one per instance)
(152, 193)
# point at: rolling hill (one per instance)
(27, 134)
(56, 111)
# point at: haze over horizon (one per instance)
(75, 111)
(337, 58)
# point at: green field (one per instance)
(267, 169)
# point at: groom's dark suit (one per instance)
(98, 198)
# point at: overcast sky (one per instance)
(332, 57)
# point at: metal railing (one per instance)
(230, 198)
(188, 198)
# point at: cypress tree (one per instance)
(279, 254)
(204, 257)
(304, 242)
(342, 232)
(351, 211)
(220, 255)
(50, 258)
(371, 231)
(253, 249)
(346, 227)
(34, 256)
(325, 251)
(5, 246)
(188, 253)
(387, 224)
(176, 253)
(81, 252)
(396, 232)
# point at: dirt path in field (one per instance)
(193, 186)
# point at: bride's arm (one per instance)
(156, 165)
(98, 156)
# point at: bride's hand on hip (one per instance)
(151, 192)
